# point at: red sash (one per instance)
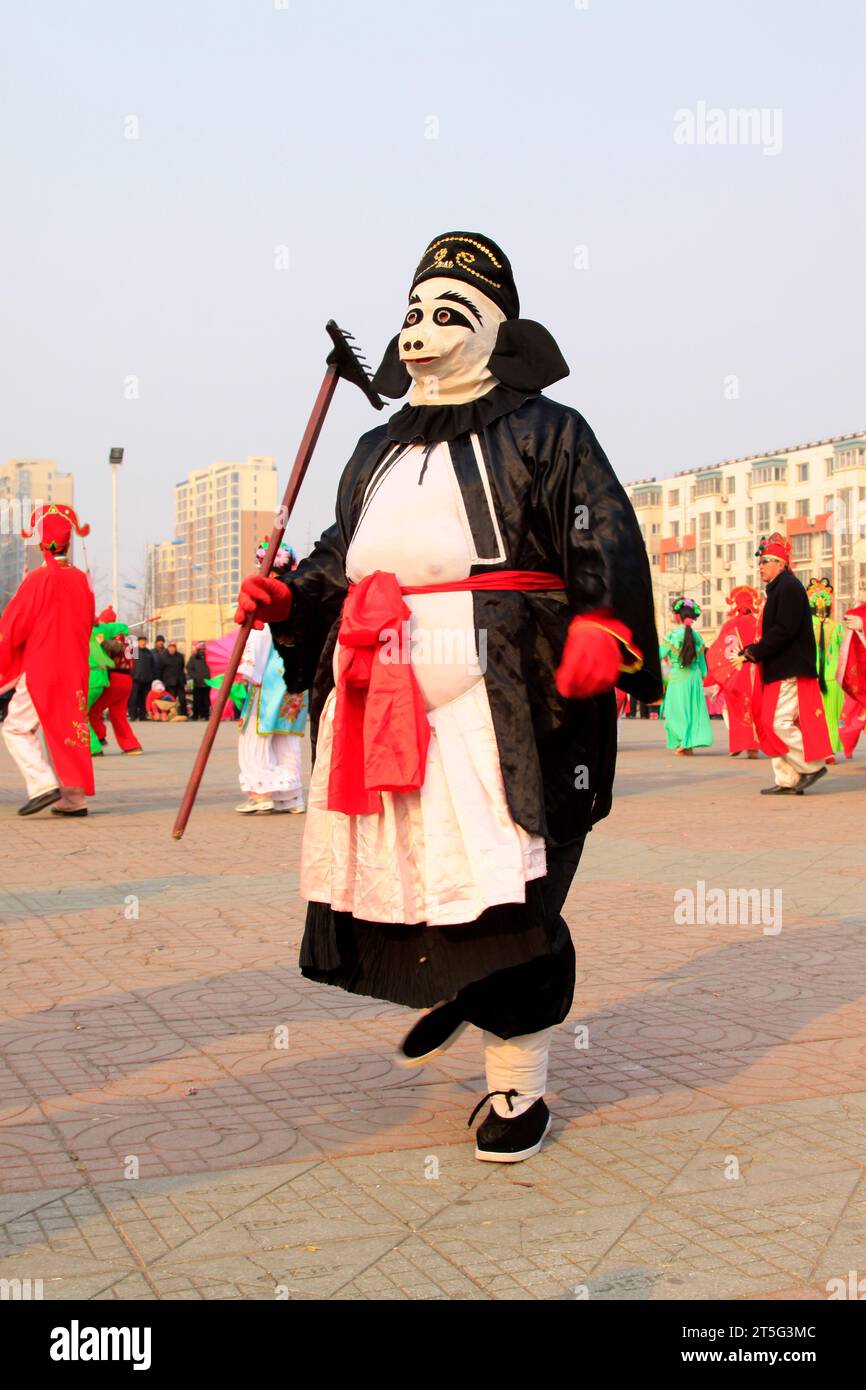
(381, 729)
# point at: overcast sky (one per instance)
(708, 297)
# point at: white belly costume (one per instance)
(446, 853)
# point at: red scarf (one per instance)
(381, 729)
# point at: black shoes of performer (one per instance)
(782, 791)
(38, 803)
(808, 779)
(510, 1140)
(435, 1031)
(56, 811)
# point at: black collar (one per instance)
(429, 424)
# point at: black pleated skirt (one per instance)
(513, 965)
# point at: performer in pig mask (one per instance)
(462, 626)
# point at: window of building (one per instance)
(763, 515)
(730, 519)
(802, 472)
(781, 511)
(718, 552)
(706, 592)
(730, 485)
(705, 523)
(674, 497)
(675, 530)
(769, 473)
(720, 618)
(730, 553)
(718, 585)
(802, 505)
(801, 547)
(648, 497)
(705, 559)
(828, 468)
(706, 487)
(750, 515)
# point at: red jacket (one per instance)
(45, 635)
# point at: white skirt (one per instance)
(441, 855)
(269, 763)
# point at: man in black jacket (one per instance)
(173, 676)
(198, 672)
(143, 673)
(792, 723)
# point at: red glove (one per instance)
(269, 600)
(590, 662)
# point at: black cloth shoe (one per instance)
(510, 1140)
(82, 811)
(782, 791)
(433, 1033)
(38, 803)
(809, 779)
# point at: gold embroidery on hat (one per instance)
(461, 259)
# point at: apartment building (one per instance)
(220, 514)
(702, 525)
(25, 484)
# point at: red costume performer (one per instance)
(787, 705)
(44, 645)
(114, 699)
(735, 680)
(852, 678)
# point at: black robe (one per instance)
(553, 503)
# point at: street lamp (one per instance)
(115, 459)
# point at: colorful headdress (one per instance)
(686, 608)
(55, 523)
(774, 545)
(820, 595)
(285, 557)
(744, 599)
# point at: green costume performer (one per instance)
(684, 709)
(828, 640)
(100, 665)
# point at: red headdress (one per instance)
(55, 523)
(744, 599)
(107, 615)
(775, 545)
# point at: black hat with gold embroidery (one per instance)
(476, 260)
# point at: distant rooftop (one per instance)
(749, 458)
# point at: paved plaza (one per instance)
(183, 1116)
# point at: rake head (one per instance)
(350, 364)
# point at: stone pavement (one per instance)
(182, 1116)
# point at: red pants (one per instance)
(114, 700)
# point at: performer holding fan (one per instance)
(462, 627)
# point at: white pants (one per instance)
(786, 726)
(518, 1064)
(21, 736)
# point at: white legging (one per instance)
(518, 1064)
